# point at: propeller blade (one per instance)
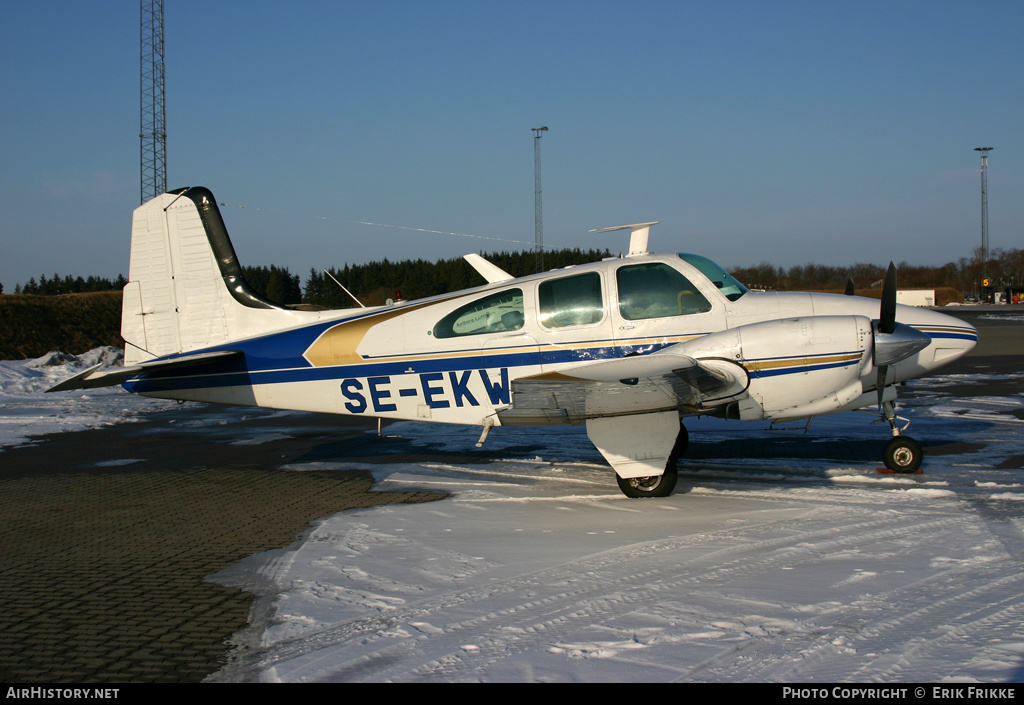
(849, 287)
(887, 316)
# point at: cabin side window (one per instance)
(496, 313)
(571, 301)
(656, 290)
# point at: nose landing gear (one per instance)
(903, 454)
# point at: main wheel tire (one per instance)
(903, 455)
(653, 486)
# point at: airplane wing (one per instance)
(630, 385)
(95, 377)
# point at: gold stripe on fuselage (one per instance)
(337, 345)
(803, 361)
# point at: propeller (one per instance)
(887, 316)
(850, 289)
(893, 341)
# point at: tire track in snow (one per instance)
(954, 618)
(557, 627)
(950, 612)
(407, 645)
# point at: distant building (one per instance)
(916, 297)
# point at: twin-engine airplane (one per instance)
(627, 346)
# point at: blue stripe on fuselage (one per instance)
(952, 336)
(228, 375)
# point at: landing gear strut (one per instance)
(902, 454)
(657, 485)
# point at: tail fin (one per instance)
(185, 286)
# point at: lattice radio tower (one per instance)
(152, 132)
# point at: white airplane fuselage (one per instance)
(385, 362)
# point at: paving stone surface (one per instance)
(102, 561)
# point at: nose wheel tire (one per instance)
(903, 455)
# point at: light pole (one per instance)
(538, 209)
(984, 213)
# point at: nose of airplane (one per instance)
(952, 337)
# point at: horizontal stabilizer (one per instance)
(489, 271)
(95, 377)
(638, 236)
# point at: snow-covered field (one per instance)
(536, 568)
(26, 410)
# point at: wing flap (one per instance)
(95, 377)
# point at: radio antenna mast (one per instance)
(152, 131)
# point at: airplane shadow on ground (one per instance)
(457, 447)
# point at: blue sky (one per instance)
(787, 132)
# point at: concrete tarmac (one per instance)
(106, 536)
(1000, 348)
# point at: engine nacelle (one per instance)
(798, 367)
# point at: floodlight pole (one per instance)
(538, 209)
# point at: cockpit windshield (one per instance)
(725, 282)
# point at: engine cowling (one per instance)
(798, 367)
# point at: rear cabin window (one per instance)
(571, 301)
(656, 290)
(492, 314)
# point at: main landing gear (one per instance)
(903, 454)
(657, 485)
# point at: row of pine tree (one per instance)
(375, 282)
(372, 283)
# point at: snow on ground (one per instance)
(756, 569)
(1002, 317)
(25, 410)
(762, 568)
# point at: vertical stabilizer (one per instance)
(185, 287)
